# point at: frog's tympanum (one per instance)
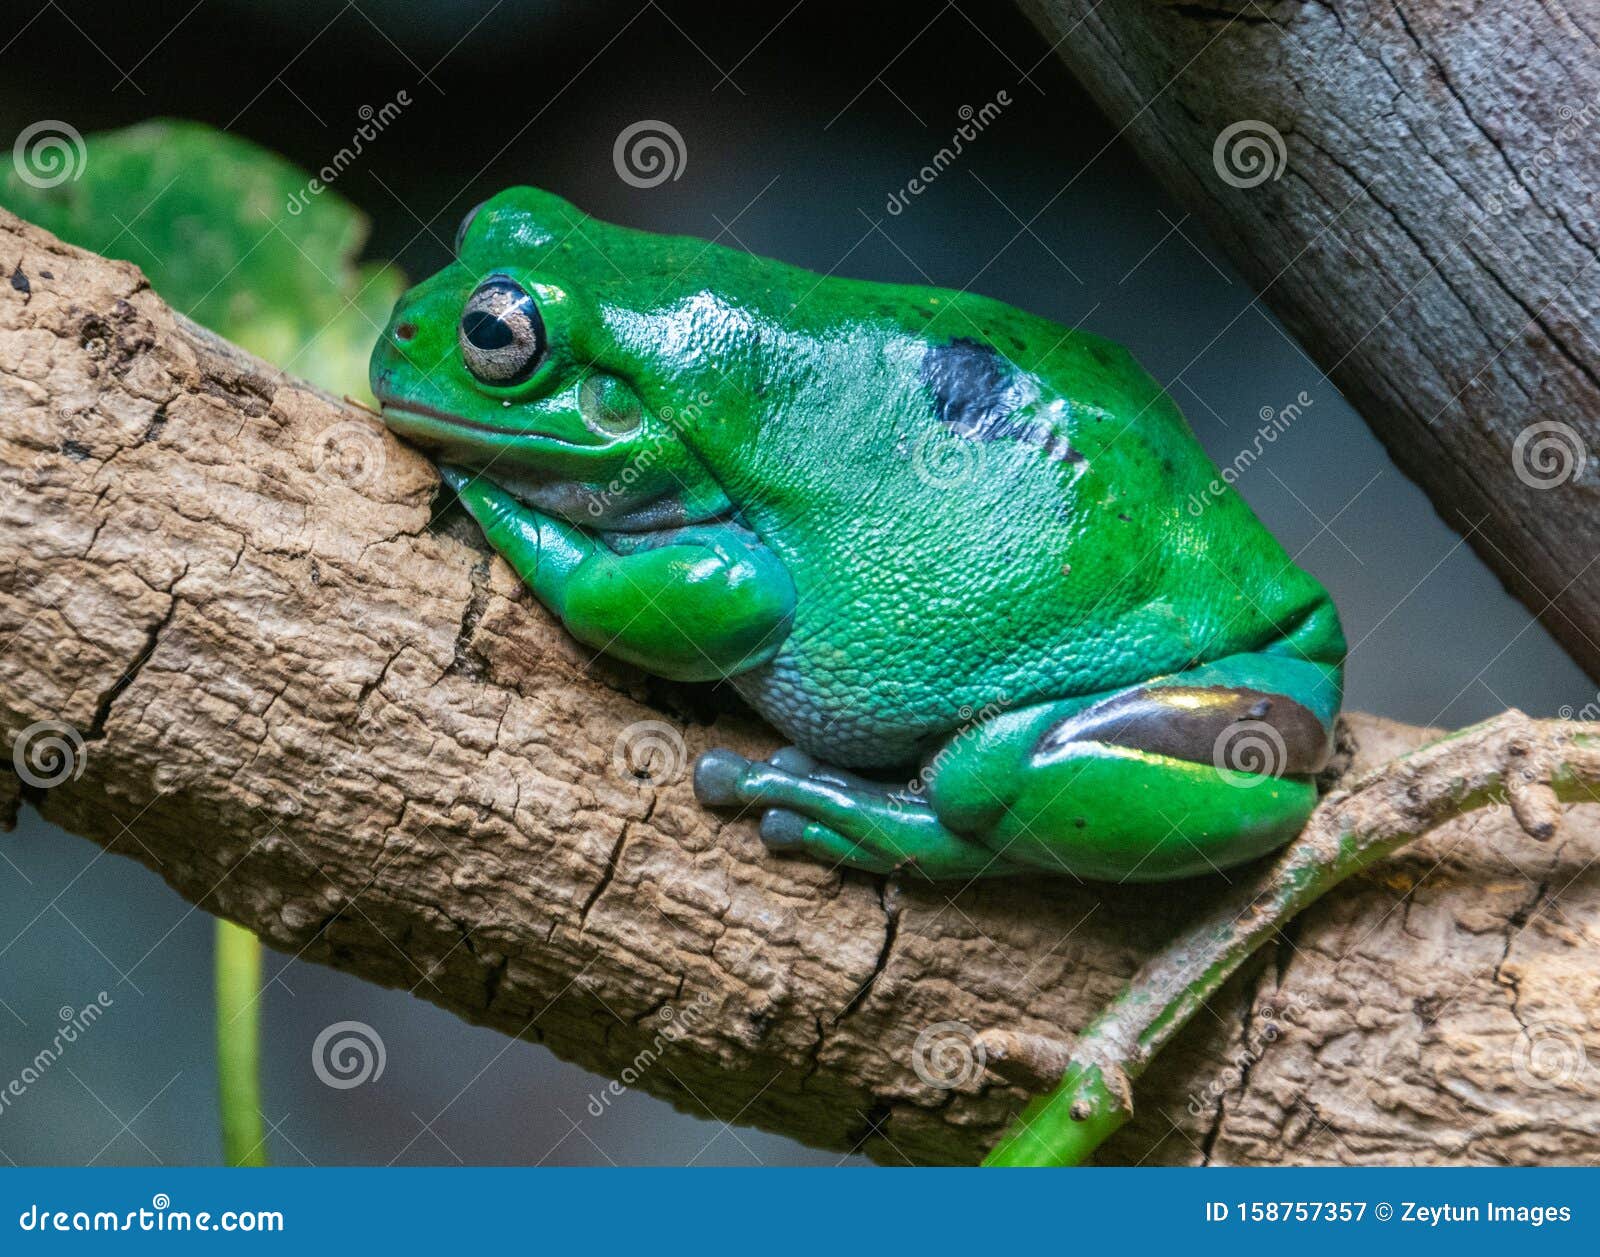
(941, 544)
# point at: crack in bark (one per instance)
(102, 712)
(606, 876)
(891, 928)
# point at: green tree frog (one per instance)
(939, 543)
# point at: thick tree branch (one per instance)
(316, 714)
(1412, 187)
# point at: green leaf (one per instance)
(229, 234)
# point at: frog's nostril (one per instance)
(405, 331)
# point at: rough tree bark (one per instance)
(315, 713)
(1427, 230)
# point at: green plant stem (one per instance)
(238, 997)
(1534, 765)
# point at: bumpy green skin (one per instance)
(931, 538)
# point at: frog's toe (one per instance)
(782, 829)
(717, 775)
(792, 760)
(787, 831)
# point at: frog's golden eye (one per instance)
(461, 231)
(501, 333)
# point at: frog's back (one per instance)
(1003, 515)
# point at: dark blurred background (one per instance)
(798, 123)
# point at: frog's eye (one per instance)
(461, 231)
(501, 333)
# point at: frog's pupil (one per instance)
(501, 334)
(488, 331)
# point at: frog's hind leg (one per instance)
(1185, 775)
(841, 818)
(1188, 774)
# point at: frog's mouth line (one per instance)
(446, 419)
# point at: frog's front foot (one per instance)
(721, 779)
(839, 817)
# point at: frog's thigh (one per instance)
(1156, 782)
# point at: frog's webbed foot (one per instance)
(839, 817)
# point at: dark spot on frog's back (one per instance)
(980, 394)
(971, 385)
